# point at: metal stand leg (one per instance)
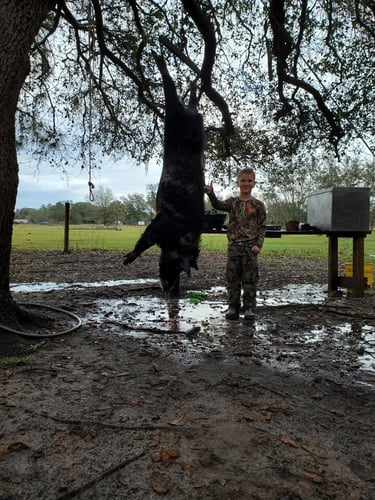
(358, 266)
(332, 263)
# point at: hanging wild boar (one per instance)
(177, 227)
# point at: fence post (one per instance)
(66, 228)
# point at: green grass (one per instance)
(14, 361)
(123, 238)
(49, 237)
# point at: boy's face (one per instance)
(246, 182)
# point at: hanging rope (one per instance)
(90, 98)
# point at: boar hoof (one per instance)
(129, 258)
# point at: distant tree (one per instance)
(42, 214)
(117, 211)
(135, 208)
(349, 172)
(151, 190)
(24, 213)
(102, 201)
(56, 213)
(285, 191)
(83, 213)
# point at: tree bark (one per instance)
(20, 21)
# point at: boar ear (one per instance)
(185, 265)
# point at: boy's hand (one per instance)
(208, 188)
(255, 249)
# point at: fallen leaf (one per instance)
(123, 480)
(10, 404)
(313, 477)
(305, 487)
(179, 421)
(173, 452)
(161, 483)
(63, 487)
(165, 457)
(156, 457)
(55, 367)
(290, 442)
(193, 465)
(69, 487)
(15, 446)
(134, 402)
(248, 417)
(279, 341)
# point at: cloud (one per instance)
(43, 184)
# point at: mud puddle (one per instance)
(289, 333)
(49, 286)
(279, 336)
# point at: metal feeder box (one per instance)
(340, 209)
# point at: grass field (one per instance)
(123, 238)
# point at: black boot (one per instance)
(232, 313)
(249, 302)
(233, 310)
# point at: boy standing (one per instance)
(246, 232)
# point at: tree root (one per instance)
(108, 472)
(98, 423)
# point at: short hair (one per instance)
(247, 170)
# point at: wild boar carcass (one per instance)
(177, 227)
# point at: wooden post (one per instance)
(66, 228)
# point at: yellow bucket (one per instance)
(367, 273)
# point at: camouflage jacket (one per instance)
(247, 219)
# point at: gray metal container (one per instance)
(340, 209)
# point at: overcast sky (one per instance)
(48, 185)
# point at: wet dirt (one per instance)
(154, 398)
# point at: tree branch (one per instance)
(179, 53)
(282, 48)
(207, 31)
(117, 61)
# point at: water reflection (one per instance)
(50, 286)
(325, 345)
(173, 306)
(348, 345)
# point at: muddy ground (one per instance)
(148, 399)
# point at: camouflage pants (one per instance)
(241, 273)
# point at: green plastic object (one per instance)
(195, 297)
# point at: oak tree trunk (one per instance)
(20, 21)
